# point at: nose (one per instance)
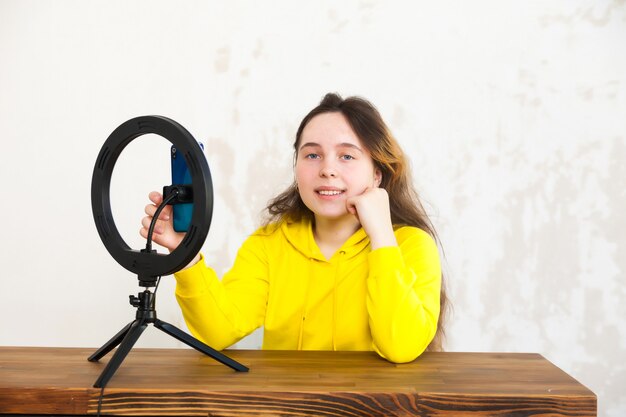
(328, 170)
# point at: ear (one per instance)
(378, 177)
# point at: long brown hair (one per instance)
(404, 203)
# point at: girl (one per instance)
(348, 258)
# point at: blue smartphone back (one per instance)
(180, 175)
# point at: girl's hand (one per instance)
(164, 233)
(371, 208)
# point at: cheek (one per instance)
(297, 170)
(364, 175)
(301, 173)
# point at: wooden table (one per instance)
(283, 383)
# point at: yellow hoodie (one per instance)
(385, 300)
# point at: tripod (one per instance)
(128, 336)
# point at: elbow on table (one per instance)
(400, 353)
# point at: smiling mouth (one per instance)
(329, 192)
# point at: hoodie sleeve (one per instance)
(403, 295)
(220, 313)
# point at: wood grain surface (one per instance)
(284, 383)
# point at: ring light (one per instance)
(148, 264)
(151, 265)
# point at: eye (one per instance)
(311, 156)
(347, 157)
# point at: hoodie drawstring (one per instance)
(305, 304)
(341, 253)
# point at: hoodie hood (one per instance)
(300, 235)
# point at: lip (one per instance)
(338, 192)
(327, 188)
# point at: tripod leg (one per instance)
(178, 334)
(110, 345)
(137, 327)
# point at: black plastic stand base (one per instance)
(128, 336)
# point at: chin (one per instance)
(332, 215)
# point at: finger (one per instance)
(146, 221)
(167, 212)
(351, 206)
(151, 209)
(155, 197)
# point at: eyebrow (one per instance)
(341, 145)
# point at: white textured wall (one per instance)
(513, 113)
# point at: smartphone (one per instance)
(180, 175)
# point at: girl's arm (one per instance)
(217, 312)
(404, 280)
(220, 313)
(403, 295)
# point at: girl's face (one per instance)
(332, 165)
